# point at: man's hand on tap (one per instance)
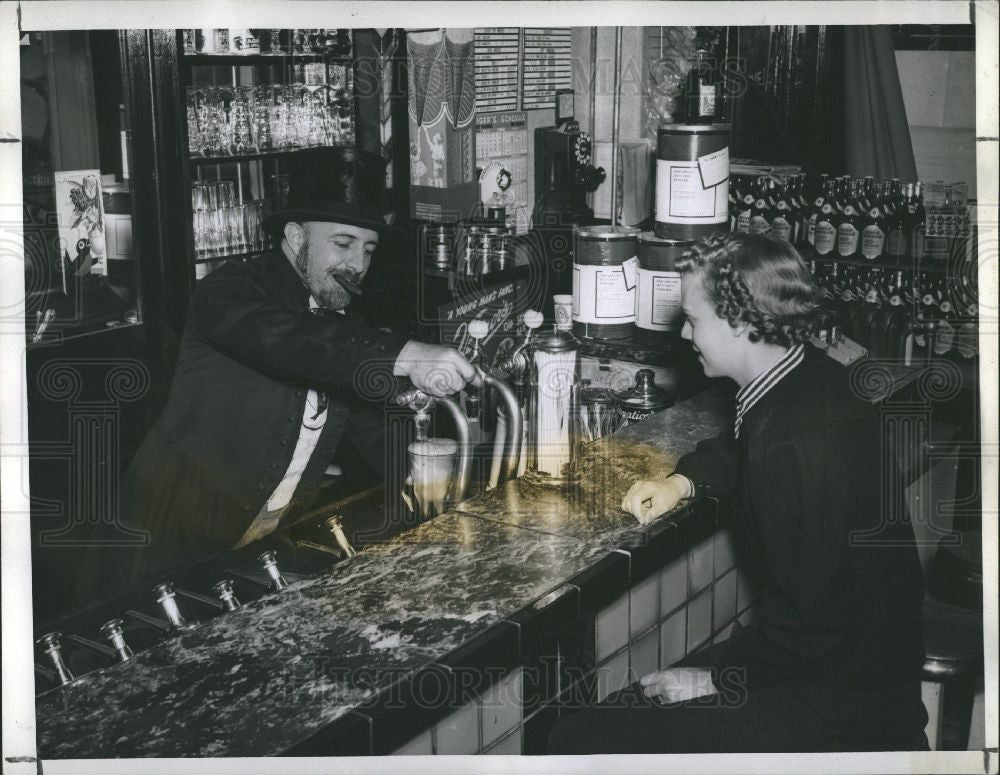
(435, 369)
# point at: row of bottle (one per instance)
(274, 42)
(843, 217)
(892, 312)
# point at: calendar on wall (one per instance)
(502, 139)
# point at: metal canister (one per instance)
(604, 269)
(658, 287)
(645, 398)
(692, 180)
(437, 242)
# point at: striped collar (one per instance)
(755, 390)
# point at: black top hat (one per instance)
(337, 185)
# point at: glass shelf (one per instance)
(907, 264)
(251, 59)
(208, 160)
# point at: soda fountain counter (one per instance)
(465, 634)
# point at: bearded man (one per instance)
(270, 380)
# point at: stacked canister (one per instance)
(658, 287)
(605, 264)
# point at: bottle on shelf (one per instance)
(702, 87)
(848, 232)
(895, 242)
(873, 233)
(916, 220)
(782, 218)
(760, 214)
(825, 228)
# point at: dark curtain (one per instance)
(876, 133)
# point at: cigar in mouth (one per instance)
(349, 285)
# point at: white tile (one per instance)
(509, 746)
(502, 706)
(420, 745)
(725, 554)
(459, 732)
(699, 619)
(673, 639)
(725, 635)
(700, 565)
(746, 590)
(724, 608)
(612, 628)
(673, 585)
(612, 676)
(645, 655)
(644, 605)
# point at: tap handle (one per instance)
(53, 648)
(479, 330)
(336, 527)
(113, 632)
(224, 589)
(167, 598)
(533, 319)
(413, 398)
(269, 562)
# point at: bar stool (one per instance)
(953, 634)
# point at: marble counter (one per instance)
(316, 661)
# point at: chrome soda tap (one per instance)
(224, 589)
(515, 369)
(511, 414)
(436, 480)
(53, 649)
(113, 632)
(166, 597)
(336, 528)
(269, 562)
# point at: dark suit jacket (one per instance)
(821, 515)
(250, 350)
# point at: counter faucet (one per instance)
(52, 647)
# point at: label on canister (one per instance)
(658, 300)
(683, 197)
(605, 294)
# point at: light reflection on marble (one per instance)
(257, 680)
(592, 511)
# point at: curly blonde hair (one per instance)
(757, 279)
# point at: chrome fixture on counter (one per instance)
(224, 589)
(553, 419)
(53, 649)
(166, 597)
(435, 481)
(336, 528)
(269, 562)
(113, 632)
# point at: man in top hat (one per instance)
(272, 375)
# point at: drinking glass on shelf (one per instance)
(212, 122)
(240, 121)
(202, 232)
(236, 241)
(199, 195)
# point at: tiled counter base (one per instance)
(467, 634)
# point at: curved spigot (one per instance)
(514, 424)
(464, 449)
